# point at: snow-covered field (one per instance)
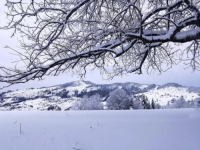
(177, 129)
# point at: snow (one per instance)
(32, 92)
(195, 114)
(100, 130)
(79, 86)
(143, 86)
(164, 95)
(186, 34)
(43, 104)
(42, 98)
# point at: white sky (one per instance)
(176, 74)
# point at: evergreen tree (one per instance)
(152, 104)
(145, 102)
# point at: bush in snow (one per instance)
(56, 108)
(89, 103)
(197, 102)
(118, 100)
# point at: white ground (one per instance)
(101, 130)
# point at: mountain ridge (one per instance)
(66, 94)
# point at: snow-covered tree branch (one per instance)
(125, 35)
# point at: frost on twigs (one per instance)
(89, 103)
(115, 36)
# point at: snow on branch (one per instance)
(115, 36)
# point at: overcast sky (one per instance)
(177, 74)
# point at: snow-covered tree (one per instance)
(157, 106)
(118, 100)
(145, 102)
(137, 104)
(178, 103)
(89, 103)
(191, 104)
(73, 35)
(197, 102)
(153, 104)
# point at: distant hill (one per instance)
(65, 95)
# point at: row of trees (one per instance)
(182, 103)
(117, 100)
(120, 100)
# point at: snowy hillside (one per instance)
(101, 130)
(165, 93)
(62, 97)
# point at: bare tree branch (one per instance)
(115, 36)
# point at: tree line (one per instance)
(120, 100)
